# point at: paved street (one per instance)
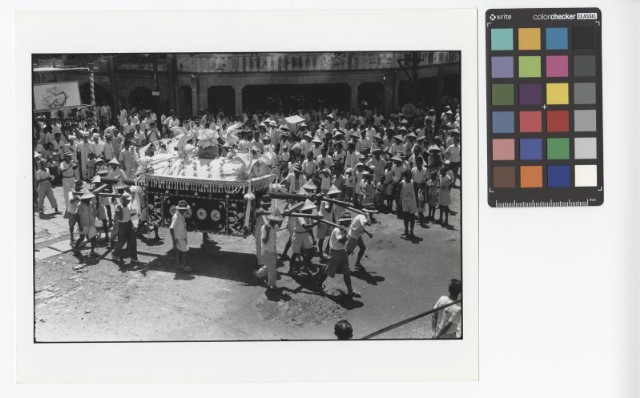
(221, 299)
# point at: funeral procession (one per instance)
(247, 196)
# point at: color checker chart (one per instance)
(544, 107)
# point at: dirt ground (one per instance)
(222, 300)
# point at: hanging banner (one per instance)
(53, 96)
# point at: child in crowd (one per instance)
(91, 165)
(350, 182)
(432, 195)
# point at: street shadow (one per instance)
(277, 295)
(370, 277)
(209, 261)
(46, 216)
(412, 239)
(151, 241)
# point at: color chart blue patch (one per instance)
(544, 107)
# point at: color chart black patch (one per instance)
(544, 107)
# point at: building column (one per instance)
(194, 95)
(238, 93)
(203, 92)
(440, 86)
(115, 112)
(389, 91)
(354, 95)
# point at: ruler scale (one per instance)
(544, 107)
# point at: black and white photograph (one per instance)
(247, 196)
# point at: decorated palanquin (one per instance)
(221, 191)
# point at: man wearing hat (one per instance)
(116, 171)
(126, 232)
(305, 144)
(86, 222)
(339, 260)
(67, 167)
(72, 209)
(43, 181)
(295, 180)
(303, 241)
(268, 235)
(178, 229)
(329, 212)
(321, 132)
(261, 213)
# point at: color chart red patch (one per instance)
(544, 107)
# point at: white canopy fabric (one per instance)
(294, 119)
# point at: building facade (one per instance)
(237, 82)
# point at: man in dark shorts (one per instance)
(354, 237)
(339, 261)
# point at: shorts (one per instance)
(301, 240)
(89, 231)
(323, 230)
(338, 263)
(73, 220)
(182, 245)
(353, 242)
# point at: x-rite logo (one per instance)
(492, 17)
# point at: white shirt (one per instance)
(73, 203)
(179, 225)
(356, 229)
(450, 314)
(453, 153)
(419, 176)
(270, 244)
(334, 241)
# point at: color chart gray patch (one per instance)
(544, 107)
(584, 93)
(584, 120)
(584, 65)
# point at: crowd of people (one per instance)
(363, 160)
(406, 164)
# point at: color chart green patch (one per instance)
(544, 107)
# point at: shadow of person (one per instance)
(150, 241)
(182, 275)
(449, 227)
(369, 277)
(345, 301)
(231, 266)
(277, 295)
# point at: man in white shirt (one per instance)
(122, 118)
(452, 154)
(129, 126)
(178, 229)
(268, 234)
(68, 178)
(126, 231)
(172, 120)
(339, 260)
(97, 146)
(446, 322)
(107, 149)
